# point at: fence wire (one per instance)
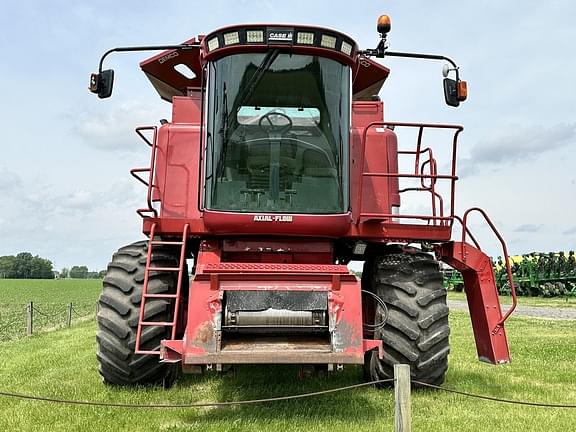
(47, 315)
(44, 317)
(79, 315)
(494, 399)
(267, 400)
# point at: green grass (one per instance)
(50, 297)
(62, 364)
(562, 302)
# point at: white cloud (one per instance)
(79, 199)
(112, 129)
(529, 228)
(524, 142)
(517, 144)
(9, 180)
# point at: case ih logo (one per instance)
(273, 218)
(280, 35)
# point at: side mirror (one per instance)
(455, 91)
(102, 83)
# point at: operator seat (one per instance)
(317, 192)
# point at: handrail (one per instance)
(407, 216)
(419, 171)
(504, 251)
(459, 219)
(151, 171)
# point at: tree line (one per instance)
(81, 272)
(26, 266)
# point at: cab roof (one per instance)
(177, 72)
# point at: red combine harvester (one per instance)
(276, 171)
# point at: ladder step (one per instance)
(174, 269)
(160, 296)
(147, 352)
(165, 242)
(157, 323)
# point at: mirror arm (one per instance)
(424, 56)
(143, 48)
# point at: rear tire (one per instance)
(119, 309)
(416, 331)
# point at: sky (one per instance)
(66, 193)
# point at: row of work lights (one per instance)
(281, 36)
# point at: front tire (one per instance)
(119, 310)
(417, 330)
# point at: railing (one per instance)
(465, 232)
(425, 169)
(149, 183)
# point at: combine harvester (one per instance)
(276, 170)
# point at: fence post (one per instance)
(402, 403)
(29, 316)
(69, 315)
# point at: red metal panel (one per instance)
(376, 192)
(278, 251)
(372, 154)
(278, 246)
(236, 267)
(483, 301)
(233, 223)
(167, 81)
(187, 109)
(180, 188)
(369, 76)
(202, 339)
(203, 343)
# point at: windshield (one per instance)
(277, 134)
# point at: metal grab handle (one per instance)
(504, 251)
(135, 172)
(150, 170)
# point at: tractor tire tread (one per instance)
(417, 330)
(119, 312)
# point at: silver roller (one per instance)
(270, 320)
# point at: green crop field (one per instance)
(50, 297)
(62, 364)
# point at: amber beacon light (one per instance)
(383, 24)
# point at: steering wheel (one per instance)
(274, 126)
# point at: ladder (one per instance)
(142, 323)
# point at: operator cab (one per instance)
(277, 133)
(277, 120)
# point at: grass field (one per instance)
(62, 364)
(50, 297)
